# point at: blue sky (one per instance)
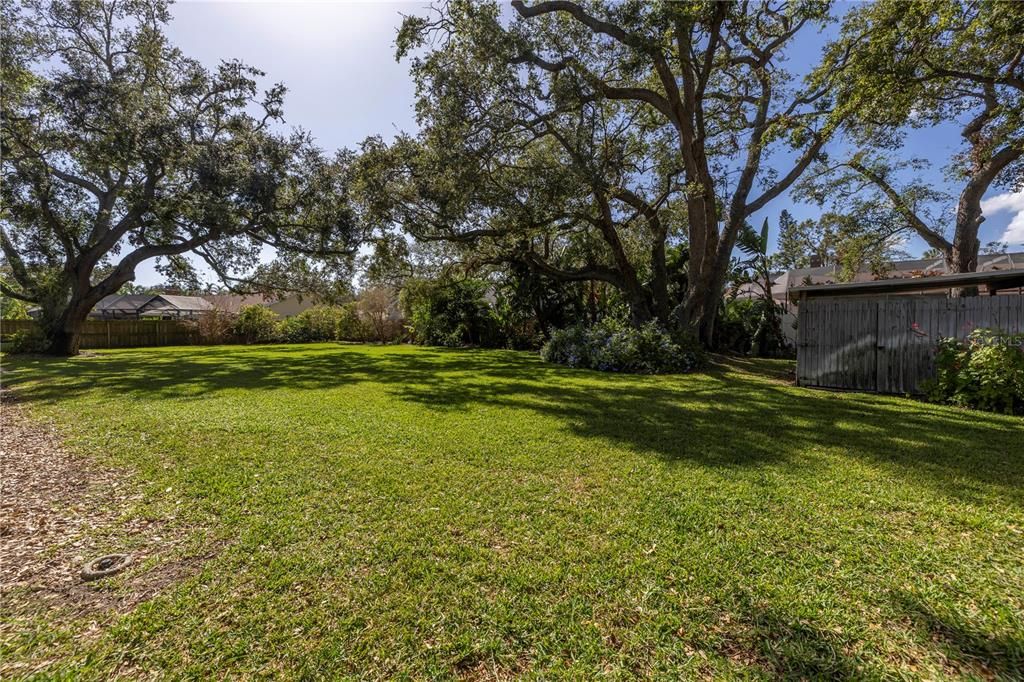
(337, 59)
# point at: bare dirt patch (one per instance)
(58, 511)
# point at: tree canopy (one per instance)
(117, 149)
(639, 120)
(919, 64)
(567, 151)
(867, 238)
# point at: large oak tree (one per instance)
(118, 149)
(707, 76)
(569, 197)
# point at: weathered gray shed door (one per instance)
(836, 341)
(897, 353)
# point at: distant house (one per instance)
(286, 307)
(754, 290)
(293, 305)
(149, 306)
(233, 303)
(174, 307)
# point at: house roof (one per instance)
(905, 268)
(992, 279)
(128, 303)
(184, 302)
(233, 303)
(133, 303)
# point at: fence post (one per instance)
(108, 333)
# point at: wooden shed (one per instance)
(881, 336)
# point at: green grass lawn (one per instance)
(398, 511)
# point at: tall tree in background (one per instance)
(705, 78)
(867, 235)
(919, 64)
(117, 149)
(556, 197)
(801, 244)
(756, 271)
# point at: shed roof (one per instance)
(905, 268)
(992, 279)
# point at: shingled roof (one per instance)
(150, 305)
(193, 303)
(122, 303)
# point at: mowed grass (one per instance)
(389, 512)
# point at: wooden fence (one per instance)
(887, 344)
(122, 333)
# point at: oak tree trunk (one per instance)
(64, 335)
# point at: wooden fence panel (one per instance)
(122, 333)
(887, 344)
(843, 336)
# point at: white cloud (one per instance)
(1014, 203)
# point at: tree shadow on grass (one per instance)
(788, 649)
(727, 417)
(730, 418)
(203, 370)
(766, 637)
(966, 642)
(733, 416)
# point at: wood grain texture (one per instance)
(887, 344)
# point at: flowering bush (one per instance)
(984, 372)
(570, 346)
(615, 346)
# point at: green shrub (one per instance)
(746, 325)
(13, 309)
(615, 346)
(256, 324)
(319, 323)
(27, 341)
(517, 327)
(736, 324)
(985, 372)
(350, 327)
(450, 314)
